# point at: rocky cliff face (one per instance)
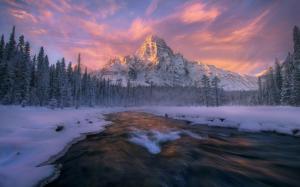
(156, 63)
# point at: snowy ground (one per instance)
(284, 120)
(28, 137)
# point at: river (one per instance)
(140, 149)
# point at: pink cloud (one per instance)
(93, 28)
(22, 15)
(199, 12)
(139, 28)
(39, 32)
(152, 7)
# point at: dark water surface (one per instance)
(222, 157)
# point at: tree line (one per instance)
(27, 79)
(280, 85)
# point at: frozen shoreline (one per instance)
(28, 140)
(284, 119)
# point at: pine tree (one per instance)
(2, 47)
(11, 46)
(278, 81)
(20, 72)
(43, 78)
(46, 80)
(296, 38)
(260, 91)
(39, 78)
(271, 87)
(295, 95)
(33, 82)
(84, 87)
(78, 83)
(206, 89)
(70, 85)
(62, 78)
(10, 58)
(27, 74)
(2, 67)
(287, 82)
(53, 84)
(215, 86)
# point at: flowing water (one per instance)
(140, 149)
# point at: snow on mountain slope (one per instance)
(156, 63)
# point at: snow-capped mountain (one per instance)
(156, 63)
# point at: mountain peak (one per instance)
(154, 39)
(155, 62)
(153, 49)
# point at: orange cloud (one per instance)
(47, 14)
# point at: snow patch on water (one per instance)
(152, 139)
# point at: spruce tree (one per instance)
(27, 74)
(11, 46)
(20, 72)
(295, 95)
(78, 83)
(271, 88)
(2, 47)
(46, 80)
(84, 87)
(278, 80)
(39, 76)
(215, 86)
(62, 78)
(296, 38)
(260, 91)
(287, 82)
(206, 89)
(10, 58)
(2, 67)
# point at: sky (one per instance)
(243, 36)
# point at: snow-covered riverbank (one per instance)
(28, 136)
(284, 120)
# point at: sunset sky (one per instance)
(244, 36)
